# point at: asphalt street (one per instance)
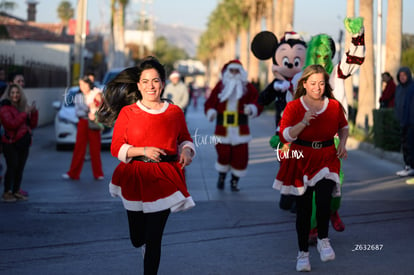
(76, 227)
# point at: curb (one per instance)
(395, 157)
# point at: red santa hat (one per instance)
(291, 35)
(235, 63)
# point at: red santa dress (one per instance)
(148, 186)
(304, 166)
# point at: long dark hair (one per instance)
(123, 90)
(88, 81)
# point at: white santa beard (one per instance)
(231, 85)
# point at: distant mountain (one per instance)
(183, 37)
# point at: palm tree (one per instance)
(65, 12)
(287, 15)
(366, 94)
(393, 37)
(117, 52)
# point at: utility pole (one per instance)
(378, 63)
(80, 39)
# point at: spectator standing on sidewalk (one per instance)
(388, 93)
(18, 78)
(404, 112)
(153, 143)
(177, 91)
(18, 120)
(230, 104)
(88, 132)
(310, 123)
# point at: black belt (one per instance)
(232, 119)
(314, 144)
(167, 158)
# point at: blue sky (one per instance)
(311, 16)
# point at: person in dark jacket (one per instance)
(387, 97)
(18, 120)
(404, 112)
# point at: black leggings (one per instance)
(323, 195)
(148, 228)
(15, 160)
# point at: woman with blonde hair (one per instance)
(310, 123)
(18, 120)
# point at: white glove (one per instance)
(281, 85)
(211, 115)
(248, 110)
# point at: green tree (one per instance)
(168, 54)
(407, 59)
(65, 12)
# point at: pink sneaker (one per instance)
(23, 193)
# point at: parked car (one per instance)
(66, 122)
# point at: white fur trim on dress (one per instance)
(175, 202)
(152, 111)
(298, 191)
(122, 153)
(287, 136)
(187, 144)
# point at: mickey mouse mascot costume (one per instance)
(288, 58)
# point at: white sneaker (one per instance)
(302, 263)
(407, 171)
(325, 249)
(65, 176)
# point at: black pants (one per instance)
(323, 195)
(148, 228)
(15, 160)
(407, 144)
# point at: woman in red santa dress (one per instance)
(310, 123)
(152, 142)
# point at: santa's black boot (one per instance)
(220, 182)
(233, 183)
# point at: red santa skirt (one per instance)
(151, 187)
(304, 166)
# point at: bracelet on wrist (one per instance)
(304, 122)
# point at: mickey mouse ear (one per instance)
(263, 45)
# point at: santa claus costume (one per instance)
(231, 102)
